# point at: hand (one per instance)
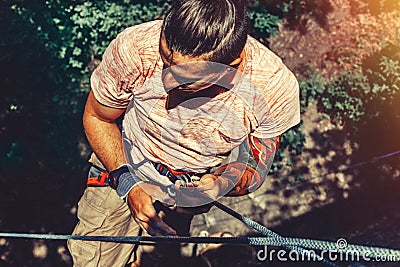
(141, 205)
(211, 186)
(195, 197)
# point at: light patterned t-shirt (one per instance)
(200, 133)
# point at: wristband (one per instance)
(113, 179)
(123, 180)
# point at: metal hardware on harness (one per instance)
(174, 175)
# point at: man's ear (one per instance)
(236, 62)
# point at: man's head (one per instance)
(208, 30)
(196, 33)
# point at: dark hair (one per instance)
(214, 29)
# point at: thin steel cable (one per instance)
(350, 167)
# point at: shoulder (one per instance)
(142, 34)
(141, 40)
(266, 66)
(261, 54)
(126, 63)
(276, 86)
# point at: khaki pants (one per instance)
(102, 213)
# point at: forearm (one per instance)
(250, 170)
(105, 140)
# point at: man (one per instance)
(204, 107)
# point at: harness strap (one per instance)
(102, 179)
(174, 175)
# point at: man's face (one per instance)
(190, 74)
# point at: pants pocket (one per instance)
(84, 252)
(90, 215)
(91, 219)
(101, 213)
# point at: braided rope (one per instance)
(367, 251)
(268, 233)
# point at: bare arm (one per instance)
(106, 141)
(252, 167)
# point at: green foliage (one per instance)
(95, 24)
(293, 139)
(265, 15)
(342, 99)
(262, 21)
(363, 94)
(311, 87)
(292, 143)
(382, 71)
(75, 32)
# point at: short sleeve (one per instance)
(113, 81)
(282, 109)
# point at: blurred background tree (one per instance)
(48, 49)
